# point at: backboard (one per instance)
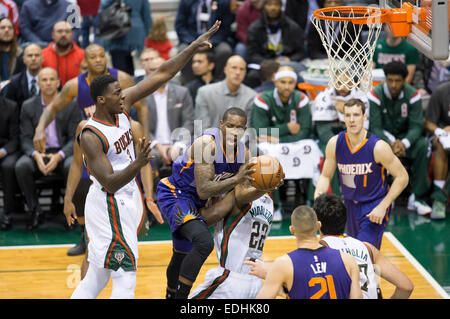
(429, 26)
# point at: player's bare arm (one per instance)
(353, 272)
(388, 271)
(126, 81)
(73, 178)
(205, 173)
(67, 94)
(168, 69)
(329, 167)
(100, 166)
(384, 156)
(280, 274)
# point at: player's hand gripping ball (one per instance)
(268, 173)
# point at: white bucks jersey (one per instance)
(364, 258)
(117, 142)
(239, 236)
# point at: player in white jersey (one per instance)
(332, 214)
(107, 145)
(238, 236)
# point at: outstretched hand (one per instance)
(203, 40)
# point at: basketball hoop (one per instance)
(349, 35)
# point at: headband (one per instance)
(285, 73)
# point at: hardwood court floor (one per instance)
(48, 273)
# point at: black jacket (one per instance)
(292, 38)
(9, 125)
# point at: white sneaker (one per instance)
(419, 206)
(277, 216)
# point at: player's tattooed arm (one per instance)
(204, 170)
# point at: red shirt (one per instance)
(88, 7)
(162, 47)
(68, 65)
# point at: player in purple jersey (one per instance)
(214, 164)
(362, 160)
(312, 271)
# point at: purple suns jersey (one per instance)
(183, 167)
(362, 178)
(84, 99)
(319, 274)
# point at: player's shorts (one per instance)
(221, 283)
(178, 208)
(359, 225)
(111, 224)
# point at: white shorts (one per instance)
(221, 283)
(112, 229)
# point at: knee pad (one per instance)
(203, 243)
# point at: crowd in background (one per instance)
(41, 50)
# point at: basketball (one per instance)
(268, 172)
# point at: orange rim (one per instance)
(370, 15)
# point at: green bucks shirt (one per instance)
(403, 52)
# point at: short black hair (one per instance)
(268, 69)
(397, 68)
(99, 85)
(234, 111)
(332, 213)
(356, 102)
(208, 53)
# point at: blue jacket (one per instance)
(186, 21)
(37, 18)
(141, 22)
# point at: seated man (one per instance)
(392, 48)
(282, 115)
(193, 18)
(274, 36)
(203, 68)
(59, 147)
(437, 122)
(9, 154)
(396, 116)
(171, 117)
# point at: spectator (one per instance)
(429, 74)
(301, 11)
(284, 113)
(89, 12)
(392, 48)
(437, 122)
(214, 99)
(24, 84)
(248, 12)
(170, 108)
(203, 68)
(193, 18)
(147, 56)
(158, 39)
(267, 75)
(59, 149)
(121, 48)
(396, 116)
(9, 154)
(63, 54)
(37, 18)
(9, 50)
(8, 9)
(274, 36)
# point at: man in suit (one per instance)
(171, 113)
(60, 136)
(24, 84)
(9, 153)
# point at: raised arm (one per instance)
(329, 166)
(168, 69)
(67, 94)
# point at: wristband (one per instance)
(439, 132)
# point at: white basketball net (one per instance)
(349, 48)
